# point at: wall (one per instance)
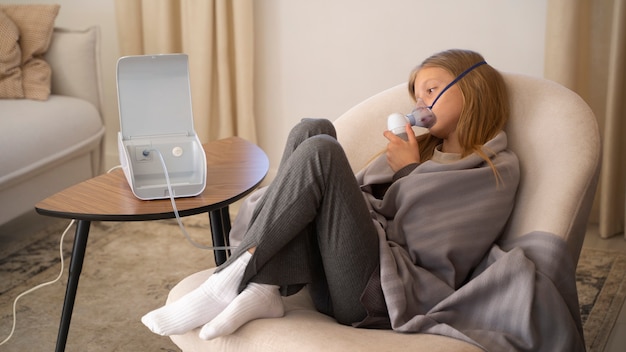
(319, 58)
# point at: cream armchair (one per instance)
(555, 136)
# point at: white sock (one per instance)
(257, 301)
(200, 305)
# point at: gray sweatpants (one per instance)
(313, 227)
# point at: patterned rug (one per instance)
(130, 268)
(601, 286)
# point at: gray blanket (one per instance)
(445, 271)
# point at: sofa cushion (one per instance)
(10, 59)
(74, 56)
(35, 24)
(40, 134)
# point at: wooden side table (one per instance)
(235, 167)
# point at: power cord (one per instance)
(180, 224)
(38, 286)
(45, 283)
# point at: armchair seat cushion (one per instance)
(315, 331)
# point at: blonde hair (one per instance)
(485, 102)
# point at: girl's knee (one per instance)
(323, 143)
(326, 149)
(311, 127)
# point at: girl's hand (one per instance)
(401, 153)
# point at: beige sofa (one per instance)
(555, 136)
(49, 145)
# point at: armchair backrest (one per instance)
(551, 129)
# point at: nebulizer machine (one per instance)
(160, 152)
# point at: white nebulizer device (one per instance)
(421, 116)
(160, 152)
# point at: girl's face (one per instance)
(429, 82)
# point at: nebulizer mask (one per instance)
(422, 115)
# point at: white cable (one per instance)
(38, 286)
(180, 223)
(114, 168)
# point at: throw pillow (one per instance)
(10, 59)
(35, 23)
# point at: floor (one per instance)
(617, 340)
(14, 234)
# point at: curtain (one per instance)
(586, 52)
(217, 36)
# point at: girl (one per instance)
(380, 249)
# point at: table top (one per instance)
(235, 167)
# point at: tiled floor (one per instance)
(617, 340)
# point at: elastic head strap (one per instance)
(458, 78)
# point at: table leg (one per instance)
(220, 227)
(76, 266)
